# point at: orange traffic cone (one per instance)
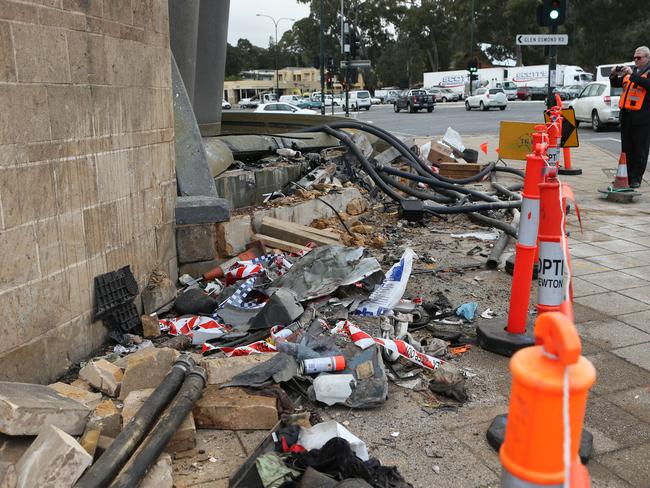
(537, 432)
(620, 181)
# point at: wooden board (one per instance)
(300, 234)
(274, 243)
(459, 170)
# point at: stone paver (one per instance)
(612, 303)
(620, 427)
(638, 355)
(638, 271)
(618, 231)
(611, 333)
(589, 236)
(645, 240)
(615, 280)
(640, 256)
(585, 250)
(620, 245)
(625, 463)
(615, 261)
(615, 374)
(582, 288)
(640, 320)
(635, 401)
(581, 267)
(639, 293)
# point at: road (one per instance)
(474, 122)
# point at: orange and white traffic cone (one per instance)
(620, 181)
(550, 385)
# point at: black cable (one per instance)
(476, 207)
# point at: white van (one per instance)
(360, 99)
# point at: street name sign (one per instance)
(542, 39)
(356, 63)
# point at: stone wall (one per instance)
(87, 180)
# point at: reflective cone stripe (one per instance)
(621, 181)
(529, 221)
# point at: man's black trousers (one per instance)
(635, 140)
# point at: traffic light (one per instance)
(551, 13)
(472, 67)
(329, 79)
(355, 43)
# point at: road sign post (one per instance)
(542, 39)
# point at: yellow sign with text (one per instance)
(516, 139)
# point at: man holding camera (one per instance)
(635, 112)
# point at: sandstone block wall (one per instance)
(87, 180)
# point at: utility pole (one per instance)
(275, 23)
(322, 63)
(471, 44)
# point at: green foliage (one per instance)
(404, 38)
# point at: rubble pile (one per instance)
(306, 318)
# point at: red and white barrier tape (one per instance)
(258, 347)
(187, 325)
(404, 349)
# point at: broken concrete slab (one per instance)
(53, 460)
(233, 236)
(159, 474)
(108, 416)
(88, 398)
(145, 368)
(104, 376)
(223, 370)
(25, 409)
(158, 296)
(196, 243)
(90, 438)
(197, 269)
(357, 206)
(183, 439)
(81, 384)
(150, 325)
(238, 186)
(8, 475)
(234, 409)
(201, 210)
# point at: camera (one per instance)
(619, 68)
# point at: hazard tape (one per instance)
(404, 349)
(258, 347)
(189, 325)
(238, 299)
(242, 270)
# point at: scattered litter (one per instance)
(318, 435)
(488, 314)
(482, 235)
(394, 434)
(410, 384)
(120, 349)
(467, 310)
(333, 388)
(436, 469)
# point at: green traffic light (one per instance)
(554, 14)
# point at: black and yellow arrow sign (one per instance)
(569, 130)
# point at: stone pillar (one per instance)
(183, 35)
(211, 64)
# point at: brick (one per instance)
(119, 11)
(20, 244)
(85, 397)
(87, 54)
(156, 297)
(235, 409)
(182, 440)
(101, 228)
(104, 376)
(61, 18)
(102, 26)
(108, 416)
(114, 176)
(41, 54)
(201, 210)
(90, 7)
(23, 109)
(70, 111)
(22, 12)
(27, 193)
(223, 370)
(195, 243)
(146, 368)
(81, 384)
(165, 243)
(7, 66)
(197, 269)
(55, 459)
(159, 474)
(150, 325)
(90, 438)
(60, 242)
(25, 408)
(233, 236)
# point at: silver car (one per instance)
(597, 103)
(487, 98)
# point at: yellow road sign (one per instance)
(569, 129)
(516, 139)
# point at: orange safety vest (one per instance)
(633, 94)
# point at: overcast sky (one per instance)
(243, 23)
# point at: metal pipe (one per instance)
(169, 423)
(495, 255)
(119, 452)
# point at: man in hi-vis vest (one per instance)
(635, 112)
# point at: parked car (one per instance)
(573, 91)
(443, 94)
(282, 108)
(225, 105)
(359, 99)
(253, 102)
(532, 92)
(487, 98)
(375, 100)
(597, 103)
(391, 97)
(414, 101)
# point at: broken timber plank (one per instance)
(274, 243)
(300, 234)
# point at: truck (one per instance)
(509, 78)
(603, 70)
(253, 102)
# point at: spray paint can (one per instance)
(320, 365)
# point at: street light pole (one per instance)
(275, 23)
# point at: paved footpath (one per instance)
(611, 263)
